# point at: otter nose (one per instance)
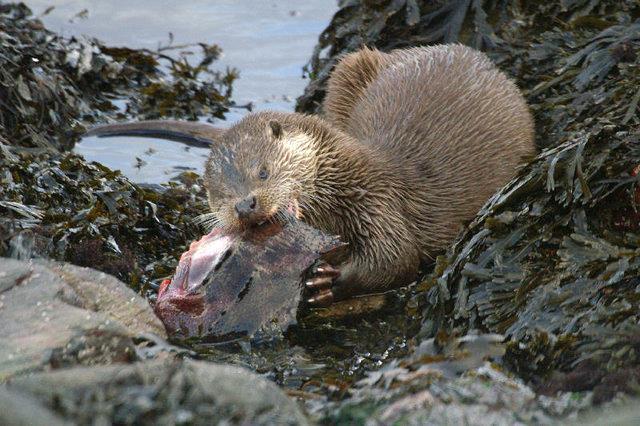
(245, 207)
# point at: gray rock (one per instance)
(160, 392)
(480, 396)
(66, 333)
(56, 315)
(449, 382)
(621, 413)
(18, 409)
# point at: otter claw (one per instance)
(321, 282)
(327, 270)
(322, 298)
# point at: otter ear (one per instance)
(275, 129)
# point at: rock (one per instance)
(480, 396)
(55, 314)
(19, 409)
(623, 413)
(156, 392)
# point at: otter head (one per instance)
(257, 170)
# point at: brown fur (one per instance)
(411, 145)
(348, 82)
(449, 119)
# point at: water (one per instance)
(267, 41)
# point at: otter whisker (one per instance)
(285, 216)
(279, 217)
(205, 217)
(207, 221)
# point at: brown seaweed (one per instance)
(391, 24)
(551, 260)
(60, 207)
(50, 85)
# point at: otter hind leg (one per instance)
(348, 81)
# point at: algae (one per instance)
(551, 260)
(51, 86)
(60, 207)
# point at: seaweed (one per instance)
(51, 86)
(551, 260)
(58, 206)
(555, 271)
(506, 29)
(391, 24)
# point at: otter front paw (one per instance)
(321, 282)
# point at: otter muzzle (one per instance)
(246, 208)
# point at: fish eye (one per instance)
(263, 174)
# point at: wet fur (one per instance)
(448, 125)
(410, 146)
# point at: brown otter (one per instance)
(412, 143)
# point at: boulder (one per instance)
(155, 392)
(56, 314)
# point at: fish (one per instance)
(233, 285)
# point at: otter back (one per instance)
(453, 125)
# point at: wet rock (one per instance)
(21, 409)
(620, 413)
(452, 384)
(228, 286)
(155, 392)
(55, 315)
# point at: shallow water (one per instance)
(267, 41)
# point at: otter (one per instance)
(409, 146)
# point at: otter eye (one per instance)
(262, 174)
(276, 129)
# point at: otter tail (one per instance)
(187, 132)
